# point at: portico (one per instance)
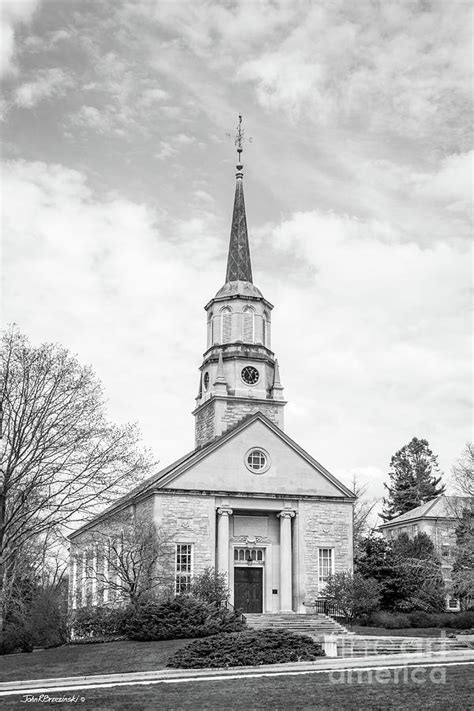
(261, 541)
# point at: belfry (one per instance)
(247, 500)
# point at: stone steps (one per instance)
(315, 625)
(359, 646)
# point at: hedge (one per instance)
(179, 618)
(249, 648)
(404, 620)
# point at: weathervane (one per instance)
(240, 138)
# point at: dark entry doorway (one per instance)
(248, 589)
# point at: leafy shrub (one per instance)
(421, 619)
(179, 618)
(99, 622)
(390, 620)
(16, 638)
(48, 616)
(355, 595)
(462, 620)
(251, 647)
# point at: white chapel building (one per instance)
(248, 500)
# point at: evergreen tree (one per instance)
(374, 559)
(419, 568)
(413, 479)
(463, 566)
(408, 572)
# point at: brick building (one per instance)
(248, 499)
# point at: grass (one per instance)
(408, 632)
(312, 691)
(85, 659)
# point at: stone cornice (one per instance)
(238, 349)
(244, 297)
(254, 495)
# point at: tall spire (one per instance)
(239, 267)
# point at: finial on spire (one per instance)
(239, 138)
(239, 141)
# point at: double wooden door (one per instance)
(248, 589)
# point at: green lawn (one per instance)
(85, 659)
(312, 691)
(408, 632)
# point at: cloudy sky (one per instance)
(118, 185)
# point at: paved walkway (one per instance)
(175, 676)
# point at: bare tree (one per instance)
(132, 561)
(463, 471)
(61, 460)
(362, 510)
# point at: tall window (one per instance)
(325, 565)
(184, 562)
(226, 324)
(248, 330)
(209, 329)
(266, 330)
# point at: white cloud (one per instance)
(375, 346)
(166, 150)
(451, 185)
(47, 84)
(152, 96)
(107, 280)
(12, 14)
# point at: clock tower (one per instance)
(239, 372)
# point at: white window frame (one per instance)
(321, 583)
(179, 574)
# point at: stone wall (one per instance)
(205, 422)
(189, 519)
(236, 411)
(325, 525)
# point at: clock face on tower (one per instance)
(250, 375)
(206, 381)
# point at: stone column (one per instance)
(84, 580)
(223, 540)
(74, 582)
(285, 561)
(105, 572)
(94, 573)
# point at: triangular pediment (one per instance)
(221, 466)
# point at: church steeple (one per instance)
(239, 372)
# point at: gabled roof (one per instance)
(440, 507)
(174, 470)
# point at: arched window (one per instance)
(209, 329)
(248, 326)
(249, 555)
(266, 329)
(226, 324)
